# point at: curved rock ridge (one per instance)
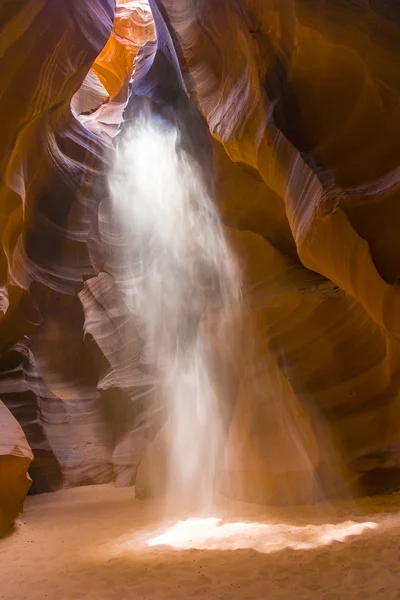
(90, 96)
(290, 111)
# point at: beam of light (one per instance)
(175, 269)
(214, 534)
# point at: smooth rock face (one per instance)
(290, 111)
(15, 458)
(90, 96)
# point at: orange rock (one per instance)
(133, 26)
(15, 458)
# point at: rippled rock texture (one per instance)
(291, 110)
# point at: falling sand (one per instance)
(99, 543)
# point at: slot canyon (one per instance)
(199, 353)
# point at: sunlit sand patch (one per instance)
(214, 534)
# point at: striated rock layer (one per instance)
(290, 110)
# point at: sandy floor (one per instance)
(100, 543)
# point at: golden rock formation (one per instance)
(133, 26)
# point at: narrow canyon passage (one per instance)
(199, 299)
